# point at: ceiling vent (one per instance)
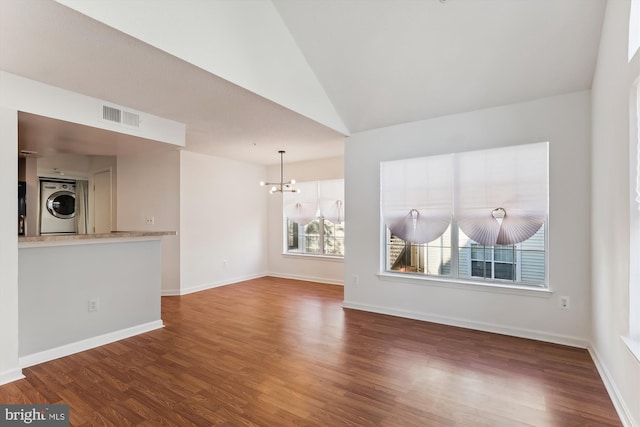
(116, 115)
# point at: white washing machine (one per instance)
(57, 207)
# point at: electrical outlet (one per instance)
(225, 263)
(356, 279)
(149, 220)
(564, 303)
(93, 305)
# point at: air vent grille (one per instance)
(111, 114)
(119, 116)
(130, 119)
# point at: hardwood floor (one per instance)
(276, 352)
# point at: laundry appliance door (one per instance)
(62, 204)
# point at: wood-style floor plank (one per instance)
(278, 352)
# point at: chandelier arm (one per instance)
(282, 186)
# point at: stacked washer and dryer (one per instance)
(57, 206)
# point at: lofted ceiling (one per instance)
(380, 62)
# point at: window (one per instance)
(478, 216)
(315, 219)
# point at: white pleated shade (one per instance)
(302, 207)
(515, 228)
(512, 178)
(417, 227)
(331, 200)
(416, 197)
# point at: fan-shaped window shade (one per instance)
(511, 178)
(331, 200)
(302, 207)
(416, 197)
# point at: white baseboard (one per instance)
(10, 376)
(87, 344)
(612, 389)
(206, 286)
(308, 278)
(480, 326)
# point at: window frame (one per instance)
(539, 287)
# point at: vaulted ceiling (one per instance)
(249, 78)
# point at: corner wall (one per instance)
(313, 269)
(223, 222)
(610, 228)
(564, 121)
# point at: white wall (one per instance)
(291, 266)
(564, 121)
(149, 185)
(612, 87)
(223, 222)
(247, 43)
(9, 369)
(54, 296)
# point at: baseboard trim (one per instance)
(12, 375)
(313, 279)
(87, 344)
(480, 326)
(207, 286)
(612, 389)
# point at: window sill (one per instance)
(330, 258)
(468, 285)
(634, 346)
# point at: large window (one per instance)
(315, 219)
(478, 216)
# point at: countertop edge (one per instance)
(81, 239)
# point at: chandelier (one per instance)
(281, 187)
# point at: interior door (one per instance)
(102, 202)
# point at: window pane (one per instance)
(503, 271)
(503, 253)
(481, 269)
(292, 236)
(478, 252)
(333, 238)
(433, 259)
(312, 237)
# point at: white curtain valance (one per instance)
(331, 200)
(513, 179)
(302, 207)
(416, 197)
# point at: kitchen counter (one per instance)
(81, 239)
(79, 291)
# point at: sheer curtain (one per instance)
(82, 207)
